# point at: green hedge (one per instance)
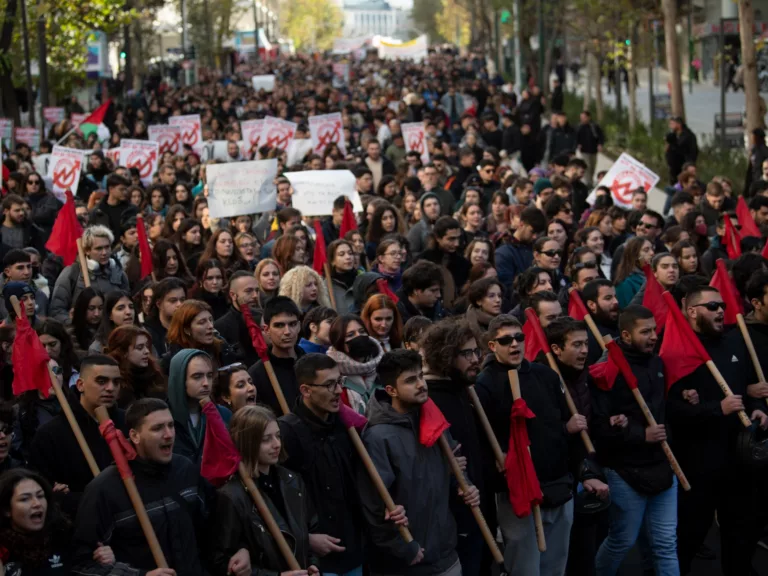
(648, 145)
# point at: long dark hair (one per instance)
(67, 359)
(81, 330)
(106, 326)
(160, 260)
(376, 230)
(236, 261)
(188, 250)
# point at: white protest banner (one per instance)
(6, 131)
(53, 115)
(341, 72)
(29, 136)
(142, 155)
(297, 150)
(249, 189)
(191, 130)
(414, 50)
(625, 176)
(415, 136)
(168, 138)
(218, 150)
(265, 82)
(347, 45)
(278, 132)
(42, 163)
(76, 118)
(114, 155)
(65, 167)
(327, 129)
(315, 190)
(251, 132)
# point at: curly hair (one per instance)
(293, 282)
(441, 343)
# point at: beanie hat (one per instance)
(541, 185)
(18, 289)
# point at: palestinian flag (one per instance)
(95, 123)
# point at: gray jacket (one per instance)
(418, 478)
(70, 283)
(345, 300)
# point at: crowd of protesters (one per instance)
(425, 299)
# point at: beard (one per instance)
(707, 328)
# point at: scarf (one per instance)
(345, 278)
(478, 319)
(359, 377)
(30, 549)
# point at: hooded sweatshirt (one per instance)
(189, 437)
(417, 236)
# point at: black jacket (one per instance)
(540, 388)
(175, 506)
(158, 333)
(458, 266)
(701, 436)
(759, 333)
(589, 137)
(418, 478)
(323, 454)
(595, 350)
(619, 448)
(758, 155)
(408, 310)
(232, 328)
(45, 208)
(236, 523)
(57, 456)
(218, 302)
(24, 548)
(286, 377)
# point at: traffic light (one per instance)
(122, 54)
(505, 16)
(628, 42)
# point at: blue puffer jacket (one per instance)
(512, 259)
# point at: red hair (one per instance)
(379, 302)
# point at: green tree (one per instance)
(424, 14)
(311, 24)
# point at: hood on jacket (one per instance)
(177, 384)
(380, 411)
(360, 285)
(423, 198)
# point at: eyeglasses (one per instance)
(398, 254)
(468, 354)
(57, 370)
(507, 340)
(582, 265)
(552, 253)
(712, 306)
(247, 245)
(230, 368)
(566, 210)
(331, 385)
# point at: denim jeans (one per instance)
(632, 512)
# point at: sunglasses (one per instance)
(646, 225)
(230, 368)
(712, 306)
(552, 253)
(582, 265)
(507, 340)
(468, 354)
(34, 182)
(566, 210)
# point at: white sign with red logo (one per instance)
(142, 155)
(252, 131)
(327, 129)
(341, 72)
(53, 115)
(77, 118)
(64, 170)
(191, 131)
(248, 190)
(415, 136)
(29, 136)
(168, 138)
(625, 176)
(277, 132)
(114, 155)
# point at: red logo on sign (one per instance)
(328, 133)
(190, 137)
(142, 161)
(168, 143)
(625, 183)
(254, 143)
(64, 172)
(279, 136)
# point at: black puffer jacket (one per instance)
(236, 523)
(175, 507)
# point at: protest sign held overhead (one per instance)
(327, 129)
(191, 130)
(168, 138)
(251, 131)
(315, 190)
(265, 82)
(142, 155)
(415, 136)
(278, 132)
(625, 176)
(65, 167)
(248, 190)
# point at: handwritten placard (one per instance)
(248, 189)
(315, 190)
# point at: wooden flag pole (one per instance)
(329, 282)
(498, 453)
(751, 349)
(479, 518)
(138, 505)
(376, 479)
(590, 322)
(727, 391)
(514, 384)
(664, 444)
(83, 263)
(66, 408)
(276, 387)
(264, 512)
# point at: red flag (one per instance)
(257, 338)
(616, 356)
(535, 340)
(523, 484)
(747, 223)
(97, 116)
(348, 221)
(653, 300)
(384, 289)
(320, 259)
(604, 374)
(732, 239)
(576, 308)
(66, 230)
(29, 359)
(220, 457)
(725, 285)
(432, 423)
(681, 350)
(121, 449)
(145, 252)
(351, 419)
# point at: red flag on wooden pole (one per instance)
(29, 359)
(66, 230)
(145, 252)
(724, 284)
(348, 221)
(732, 239)
(747, 223)
(653, 299)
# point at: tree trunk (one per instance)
(10, 106)
(589, 80)
(669, 10)
(751, 93)
(599, 85)
(631, 72)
